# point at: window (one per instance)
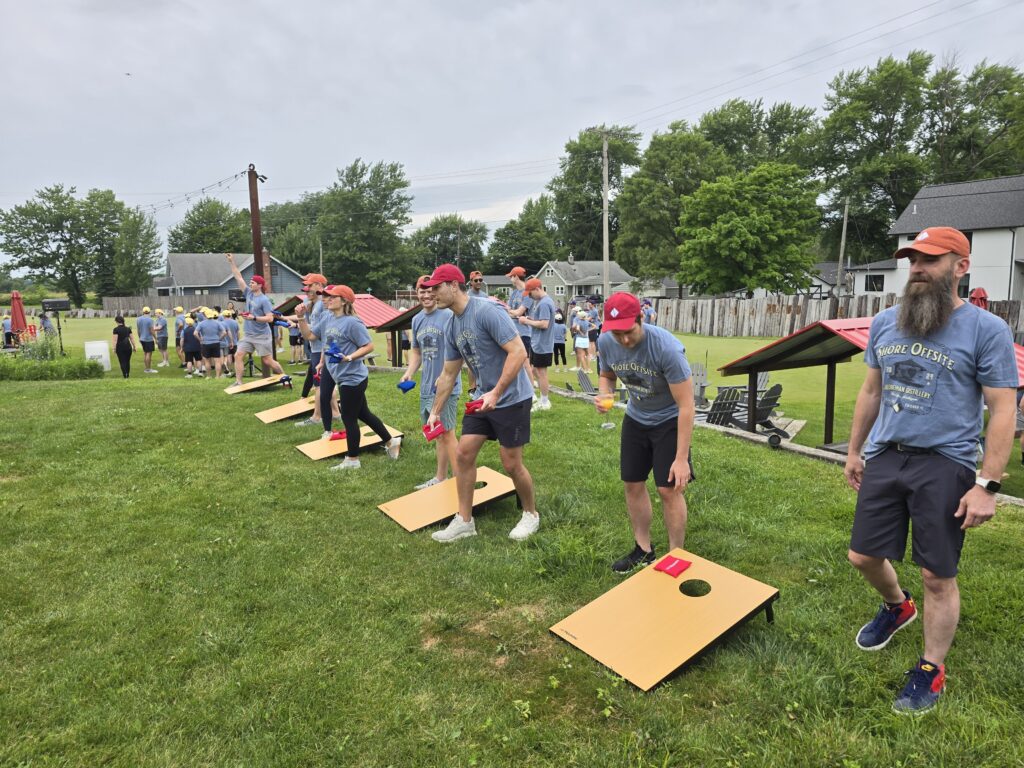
(874, 283)
(273, 269)
(199, 292)
(549, 272)
(559, 290)
(964, 289)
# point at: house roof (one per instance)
(201, 270)
(583, 272)
(402, 320)
(966, 205)
(497, 281)
(827, 271)
(874, 266)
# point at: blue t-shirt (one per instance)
(428, 338)
(518, 299)
(257, 305)
(209, 331)
(648, 311)
(477, 293)
(584, 325)
(646, 371)
(594, 314)
(931, 387)
(160, 327)
(293, 330)
(7, 325)
(543, 340)
(348, 334)
(145, 326)
(559, 333)
(231, 326)
(476, 336)
(314, 313)
(179, 325)
(189, 342)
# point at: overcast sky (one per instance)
(155, 99)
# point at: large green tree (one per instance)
(448, 239)
(102, 214)
(211, 226)
(527, 241)
(749, 134)
(46, 236)
(360, 220)
(137, 253)
(751, 230)
(673, 166)
(577, 189)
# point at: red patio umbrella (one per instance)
(979, 298)
(19, 324)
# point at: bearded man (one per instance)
(932, 360)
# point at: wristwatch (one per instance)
(992, 486)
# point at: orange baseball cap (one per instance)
(341, 290)
(936, 241)
(532, 284)
(516, 272)
(475, 273)
(314, 277)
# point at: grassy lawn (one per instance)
(180, 587)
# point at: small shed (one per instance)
(402, 321)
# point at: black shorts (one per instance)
(541, 359)
(161, 342)
(231, 351)
(210, 351)
(510, 425)
(592, 334)
(177, 342)
(404, 344)
(193, 356)
(919, 490)
(295, 341)
(147, 346)
(528, 343)
(644, 448)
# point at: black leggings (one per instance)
(559, 353)
(353, 410)
(124, 357)
(309, 382)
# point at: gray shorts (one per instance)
(258, 346)
(449, 414)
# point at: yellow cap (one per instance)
(145, 310)
(189, 321)
(159, 311)
(210, 313)
(179, 309)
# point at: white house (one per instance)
(990, 212)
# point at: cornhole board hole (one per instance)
(439, 502)
(252, 386)
(648, 627)
(325, 449)
(287, 411)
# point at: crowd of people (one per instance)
(933, 363)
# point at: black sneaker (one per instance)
(635, 559)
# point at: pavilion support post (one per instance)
(830, 401)
(751, 400)
(396, 348)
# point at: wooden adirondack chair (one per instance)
(722, 408)
(762, 414)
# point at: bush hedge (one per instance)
(62, 369)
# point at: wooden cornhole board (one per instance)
(251, 386)
(646, 628)
(287, 411)
(325, 449)
(439, 502)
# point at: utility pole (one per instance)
(842, 249)
(458, 245)
(604, 214)
(259, 266)
(321, 244)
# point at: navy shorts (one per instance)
(540, 359)
(919, 491)
(147, 346)
(644, 448)
(210, 351)
(510, 425)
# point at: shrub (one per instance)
(62, 369)
(43, 348)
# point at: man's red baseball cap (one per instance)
(445, 273)
(516, 272)
(475, 274)
(936, 241)
(532, 284)
(620, 312)
(259, 281)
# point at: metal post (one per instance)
(842, 250)
(830, 401)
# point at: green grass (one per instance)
(180, 587)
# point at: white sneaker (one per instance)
(151, 370)
(326, 435)
(427, 484)
(573, 369)
(393, 447)
(526, 527)
(348, 463)
(162, 365)
(457, 529)
(544, 405)
(188, 375)
(308, 422)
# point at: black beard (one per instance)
(923, 311)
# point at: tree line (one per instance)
(749, 196)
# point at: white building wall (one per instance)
(992, 263)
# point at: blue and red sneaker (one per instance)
(877, 633)
(925, 684)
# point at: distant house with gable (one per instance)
(565, 279)
(200, 274)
